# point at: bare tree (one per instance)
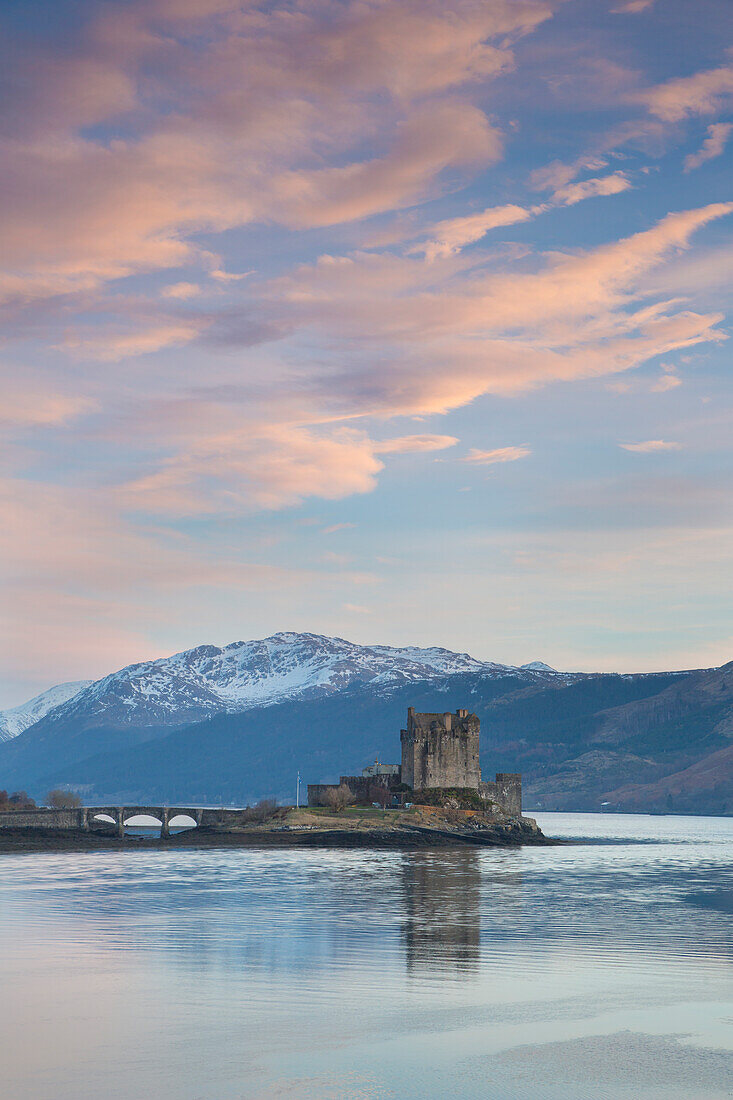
(381, 794)
(259, 813)
(63, 800)
(19, 800)
(338, 798)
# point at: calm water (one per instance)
(600, 969)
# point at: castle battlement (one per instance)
(441, 750)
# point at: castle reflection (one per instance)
(442, 893)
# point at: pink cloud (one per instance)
(268, 468)
(499, 454)
(713, 145)
(592, 188)
(575, 316)
(650, 446)
(166, 122)
(260, 106)
(93, 543)
(229, 276)
(450, 236)
(337, 527)
(453, 234)
(181, 291)
(415, 444)
(557, 174)
(425, 145)
(110, 345)
(699, 94)
(633, 7)
(27, 406)
(668, 380)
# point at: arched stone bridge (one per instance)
(87, 818)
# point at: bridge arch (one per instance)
(142, 820)
(148, 816)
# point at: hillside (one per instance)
(666, 752)
(235, 724)
(147, 701)
(237, 757)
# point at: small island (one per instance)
(267, 825)
(435, 797)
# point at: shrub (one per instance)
(337, 798)
(259, 813)
(463, 798)
(63, 800)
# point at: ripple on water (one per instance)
(291, 966)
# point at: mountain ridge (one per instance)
(232, 722)
(15, 720)
(207, 679)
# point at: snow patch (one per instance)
(14, 721)
(197, 683)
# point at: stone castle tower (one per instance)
(440, 750)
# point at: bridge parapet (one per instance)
(41, 819)
(86, 818)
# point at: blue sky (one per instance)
(403, 321)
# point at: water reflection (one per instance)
(442, 896)
(578, 972)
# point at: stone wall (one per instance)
(42, 819)
(505, 792)
(317, 793)
(359, 785)
(441, 750)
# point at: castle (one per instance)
(438, 751)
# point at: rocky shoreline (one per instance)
(426, 828)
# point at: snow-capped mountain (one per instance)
(231, 724)
(17, 719)
(207, 680)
